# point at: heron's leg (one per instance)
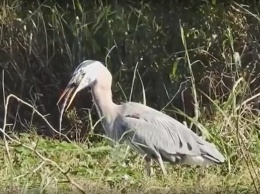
(162, 165)
(148, 166)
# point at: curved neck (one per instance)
(105, 106)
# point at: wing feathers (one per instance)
(159, 130)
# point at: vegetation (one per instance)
(197, 62)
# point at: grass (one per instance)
(102, 169)
(38, 48)
(31, 163)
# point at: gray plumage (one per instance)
(152, 133)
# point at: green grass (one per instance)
(31, 163)
(103, 169)
(42, 165)
(41, 43)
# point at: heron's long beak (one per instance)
(69, 93)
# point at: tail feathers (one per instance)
(213, 159)
(209, 155)
(210, 152)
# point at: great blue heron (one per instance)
(152, 133)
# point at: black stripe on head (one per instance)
(87, 62)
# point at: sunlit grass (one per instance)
(103, 167)
(42, 44)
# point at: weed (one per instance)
(215, 52)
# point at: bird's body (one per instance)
(152, 133)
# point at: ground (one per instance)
(36, 164)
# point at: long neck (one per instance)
(105, 106)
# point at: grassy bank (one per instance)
(199, 58)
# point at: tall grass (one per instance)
(42, 42)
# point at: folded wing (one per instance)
(155, 133)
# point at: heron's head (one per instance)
(87, 74)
